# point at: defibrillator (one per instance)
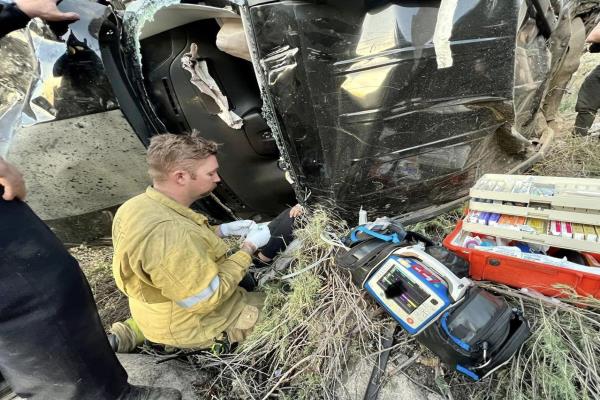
(414, 287)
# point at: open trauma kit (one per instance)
(424, 288)
(532, 232)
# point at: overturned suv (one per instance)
(397, 107)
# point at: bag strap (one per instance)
(393, 238)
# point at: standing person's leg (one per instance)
(588, 103)
(52, 344)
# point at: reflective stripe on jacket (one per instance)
(183, 289)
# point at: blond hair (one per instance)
(168, 152)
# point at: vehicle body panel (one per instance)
(366, 114)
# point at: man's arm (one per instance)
(11, 181)
(16, 16)
(188, 275)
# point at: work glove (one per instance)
(236, 228)
(258, 236)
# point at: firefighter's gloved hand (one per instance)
(236, 228)
(258, 236)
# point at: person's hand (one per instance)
(296, 211)
(594, 36)
(236, 228)
(12, 180)
(45, 9)
(258, 236)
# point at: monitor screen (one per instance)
(399, 286)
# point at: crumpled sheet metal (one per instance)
(367, 117)
(201, 78)
(65, 77)
(18, 70)
(278, 63)
(543, 68)
(71, 81)
(532, 64)
(569, 66)
(588, 8)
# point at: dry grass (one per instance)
(314, 323)
(439, 227)
(571, 156)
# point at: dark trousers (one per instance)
(588, 102)
(281, 228)
(52, 344)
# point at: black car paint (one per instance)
(70, 67)
(419, 136)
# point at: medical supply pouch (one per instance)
(477, 336)
(470, 329)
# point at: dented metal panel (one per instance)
(18, 70)
(71, 79)
(367, 116)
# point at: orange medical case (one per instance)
(520, 273)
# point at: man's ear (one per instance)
(179, 176)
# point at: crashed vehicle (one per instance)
(396, 107)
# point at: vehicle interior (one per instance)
(253, 184)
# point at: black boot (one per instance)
(248, 282)
(583, 122)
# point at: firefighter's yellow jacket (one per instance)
(181, 284)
